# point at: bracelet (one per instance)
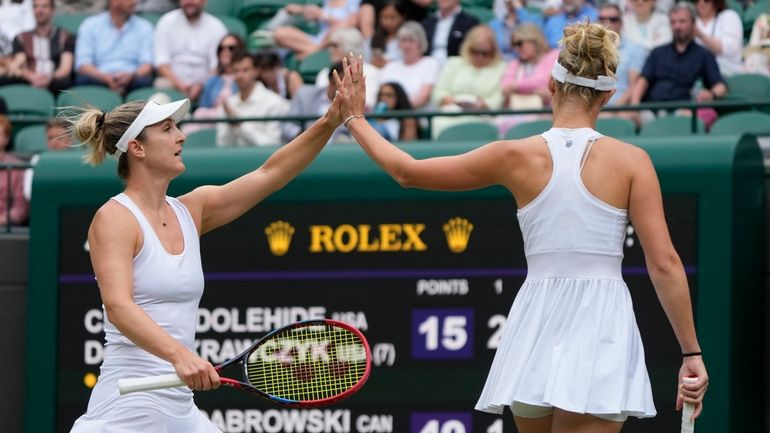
(354, 116)
(687, 355)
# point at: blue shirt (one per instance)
(554, 26)
(503, 31)
(109, 49)
(632, 57)
(671, 75)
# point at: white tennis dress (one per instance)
(571, 340)
(168, 288)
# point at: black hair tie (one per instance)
(100, 120)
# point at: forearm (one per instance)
(392, 159)
(672, 289)
(138, 327)
(639, 90)
(143, 70)
(719, 90)
(92, 71)
(165, 71)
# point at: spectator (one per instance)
(159, 7)
(721, 31)
(415, 72)
(85, 7)
(369, 15)
(114, 49)
(671, 70)
(341, 43)
(542, 8)
(186, 47)
(277, 77)
(757, 52)
(446, 29)
(525, 81)
(11, 187)
(392, 97)
(44, 56)
(646, 26)
(334, 14)
(6, 59)
(470, 81)
(252, 100)
(384, 46)
(221, 85)
(58, 139)
(514, 14)
(15, 17)
(631, 54)
(314, 101)
(572, 11)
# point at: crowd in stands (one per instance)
(441, 56)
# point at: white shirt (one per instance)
(189, 47)
(655, 32)
(727, 26)
(441, 35)
(262, 102)
(371, 75)
(411, 77)
(16, 18)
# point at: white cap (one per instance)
(151, 114)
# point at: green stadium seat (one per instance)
(669, 126)
(313, 64)
(616, 127)
(743, 122)
(751, 13)
(201, 139)
(527, 129)
(470, 131)
(483, 14)
(26, 99)
(224, 7)
(234, 25)
(153, 18)
(255, 12)
(748, 86)
(31, 140)
(97, 96)
(145, 93)
(70, 22)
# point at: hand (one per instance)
(295, 9)
(196, 372)
(313, 13)
(193, 91)
(352, 88)
(448, 100)
(692, 393)
(704, 95)
(124, 78)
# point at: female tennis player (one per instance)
(145, 254)
(571, 358)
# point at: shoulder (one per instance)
(212, 22)
(466, 19)
(113, 217)
(729, 17)
(93, 22)
(624, 155)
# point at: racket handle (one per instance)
(137, 384)
(688, 426)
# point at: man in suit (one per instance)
(446, 29)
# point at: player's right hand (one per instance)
(196, 372)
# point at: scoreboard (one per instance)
(429, 281)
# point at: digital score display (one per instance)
(428, 282)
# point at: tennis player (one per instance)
(571, 358)
(145, 254)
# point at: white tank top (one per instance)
(567, 231)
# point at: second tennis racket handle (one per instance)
(688, 426)
(136, 384)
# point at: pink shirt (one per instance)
(527, 81)
(19, 206)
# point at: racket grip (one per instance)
(688, 426)
(137, 384)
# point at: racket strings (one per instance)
(308, 363)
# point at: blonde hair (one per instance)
(589, 50)
(100, 131)
(480, 32)
(532, 32)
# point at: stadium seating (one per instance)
(145, 93)
(671, 126)
(526, 129)
(201, 138)
(31, 140)
(313, 64)
(81, 96)
(745, 122)
(470, 131)
(224, 7)
(751, 13)
(26, 99)
(255, 12)
(483, 14)
(234, 25)
(616, 127)
(69, 22)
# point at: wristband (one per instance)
(687, 355)
(354, 116)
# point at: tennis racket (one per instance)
(688, 425)
(308, 363)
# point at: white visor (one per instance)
(602, 82)
(151, 114)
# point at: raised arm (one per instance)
(113, 238)
(214, 206)
(487, 165)
(667, 274)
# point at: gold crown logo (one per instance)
(458, 232)
(279, 237)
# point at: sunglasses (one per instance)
(518, 43)
(481, 53)
(609, 19)
(227, 47)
